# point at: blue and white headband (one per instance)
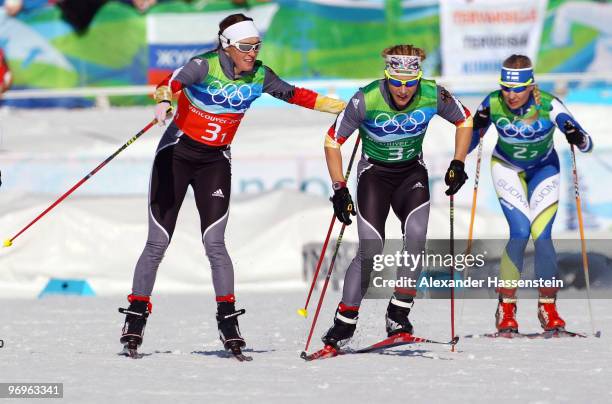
(403, 65)
(516, 77)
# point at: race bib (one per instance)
(210, 129)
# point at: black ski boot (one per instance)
(345, 324)
(135, 321)
(397, 316)
(229, 331)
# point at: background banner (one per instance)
(306, 38)
(478, 35)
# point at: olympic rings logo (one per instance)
(512, 130)
(405, 123)
(231, 93)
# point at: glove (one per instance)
(163, 111)
(455, 177)
(481, 118)
(573, 134)
(343, 205)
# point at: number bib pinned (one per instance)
(526, 138)
(204, 127)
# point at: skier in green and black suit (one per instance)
(392, 115)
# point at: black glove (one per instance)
(482, 118)
(455, 177)
(573, 134)
(343, 205)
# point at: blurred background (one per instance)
(77, 76)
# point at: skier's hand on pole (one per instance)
(482, 119)
(455, 177)
(163, 111)
(573, 135)
(343, 203)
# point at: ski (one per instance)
(239, 356)
(234, 348)
(396, 340)
(536, 335)
(131, 352)
(555, 334)
(327, 351)
(402, 338)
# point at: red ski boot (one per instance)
(547, 313)
(505, 316)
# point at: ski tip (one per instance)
(303, 312)
(597, 334)
(7, 242)
(454, 340)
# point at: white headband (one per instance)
(237, 32)
(403, 64)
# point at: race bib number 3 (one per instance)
(207, 128)
(400, 153)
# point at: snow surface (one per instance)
(75, 341)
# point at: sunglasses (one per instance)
(515, 88)
(247, 47)
(398, 83)
(518, 89)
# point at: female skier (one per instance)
(525, 171)
(217, 88)
(392, 115)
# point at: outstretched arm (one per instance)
(303, 97)
(566, 123)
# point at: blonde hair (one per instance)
(521, 62)
(407, 50)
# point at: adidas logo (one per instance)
(418, 185)
(218, 193)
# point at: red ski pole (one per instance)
(304, 311)
(9, 242)
(329, 272)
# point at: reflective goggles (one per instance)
(515, 88)
(398, 83)
(247, 47)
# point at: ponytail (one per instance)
(537, 96)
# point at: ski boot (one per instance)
(505, 315)
(135, 321)
(229, 331)
(548, 316)
(397, 316)
(345, 324)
